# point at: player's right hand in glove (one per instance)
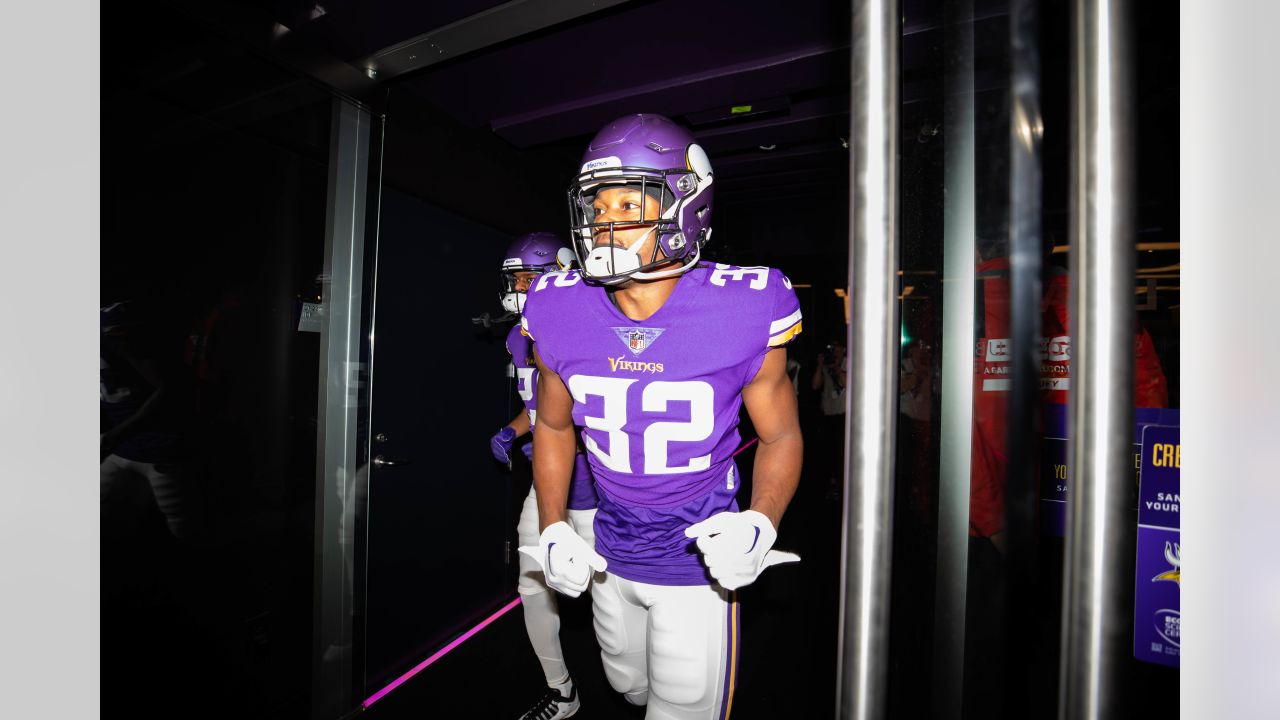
(736, 546)
(501, 443)
(567, 561)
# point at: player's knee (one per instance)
(626, 674)
(686, 688)
(680, 667)
(542, 612)
(532, 580)
(624, 665)
(531, 583)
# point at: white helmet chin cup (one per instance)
(607, 260)
(513, 302)
(611, 260)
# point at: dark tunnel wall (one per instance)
(436, 554)
(215, 232)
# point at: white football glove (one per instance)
(736, 546)
(567, 561)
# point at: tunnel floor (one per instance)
(788, 661)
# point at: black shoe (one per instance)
(554, 706)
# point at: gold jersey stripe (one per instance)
(786, 336)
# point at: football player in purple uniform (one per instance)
(528, 257)
(652, 352)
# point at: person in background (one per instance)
(528, 257)
(829, 380)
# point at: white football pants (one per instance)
(672, 647)
(541, 616)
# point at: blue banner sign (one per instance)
(1054, 467)
(1157, 620)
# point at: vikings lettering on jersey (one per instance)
(582, 494)
(658, 400)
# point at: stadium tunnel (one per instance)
(308, 208)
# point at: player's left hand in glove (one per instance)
(567, 561)
(736, 546)
(528, 451)
(500, 444)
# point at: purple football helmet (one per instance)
(537, 252)
(658, 157)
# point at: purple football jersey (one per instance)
(658, 400)
(582, 492)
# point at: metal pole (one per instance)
(1100, 527)
(336, 442)
(1025, 293)
(874, 337)
(955, 431)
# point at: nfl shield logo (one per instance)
(637, 339)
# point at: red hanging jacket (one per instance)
(991, 381)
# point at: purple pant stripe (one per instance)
(731, 662)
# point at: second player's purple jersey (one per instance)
(658, 401)
(582, 492)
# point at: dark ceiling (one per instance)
(509, 92)
(763, 86)
(765, 91)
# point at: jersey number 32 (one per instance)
(653, 399)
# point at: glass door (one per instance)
(1000, 170)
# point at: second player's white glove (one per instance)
(567, 561)
(736, 546)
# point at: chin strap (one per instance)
(682, 269)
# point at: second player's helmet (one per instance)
(537, 252)
(661, 159)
